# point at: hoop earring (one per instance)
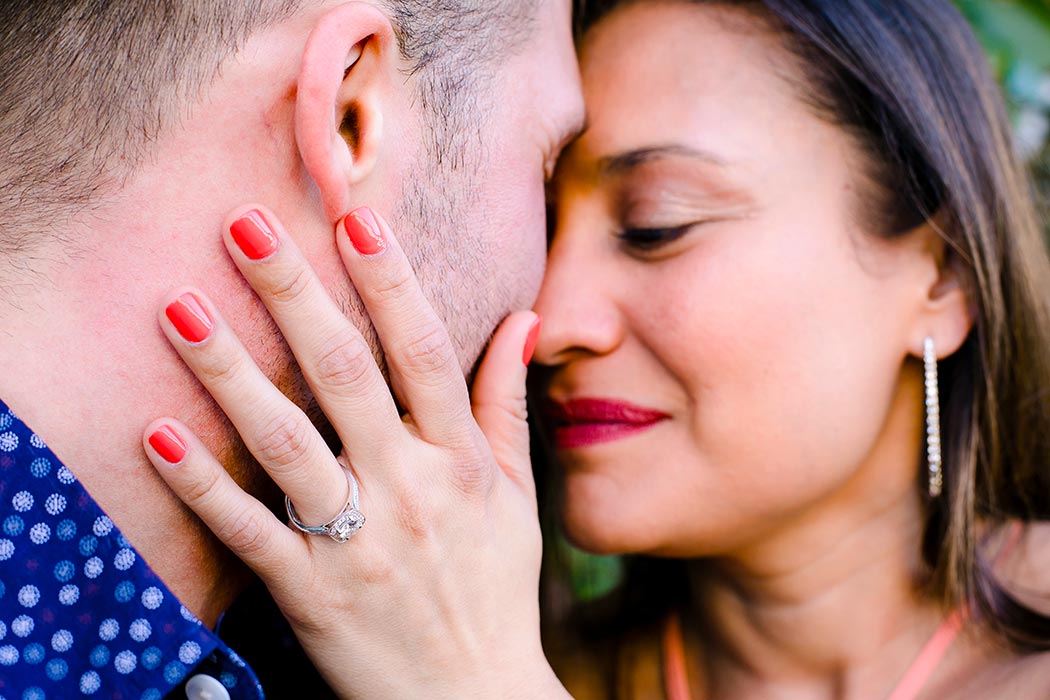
(933, 421)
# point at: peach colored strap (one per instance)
(1010, 542)
(929, 658)
(676, 680)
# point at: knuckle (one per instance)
(458, 432)
(393, 286)
(346, 362)
(201, 490)
(282, 443)
(413, 513)
(217, 369)
(290, 286)
(375, 571)
(244, 533)
(472, 478)
(430, 353)
(508, 414)
(516, 410)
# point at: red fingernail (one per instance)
(253, 236)
(364, 232)
(189, 318)
(531, 340)
(168, 444)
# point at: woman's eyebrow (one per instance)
(622, 162)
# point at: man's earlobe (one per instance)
(346, 69)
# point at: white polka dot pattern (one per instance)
(152, 598)
(28, 596)
(125, 662)
(40, 533)
(8, 442)
(62, 640)
(55, 504)
(140, 630)
(22, 625)
(81, 614)
(68, 594)
(190, 653)
(108, 630)
(22, 501)
(8, 655)
(124, 559)
(90, 682)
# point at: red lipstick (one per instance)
(585, 422)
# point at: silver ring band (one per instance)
(344, 525)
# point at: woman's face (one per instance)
(725, 342)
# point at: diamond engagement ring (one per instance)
(344, 525)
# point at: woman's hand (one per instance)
(438, 593)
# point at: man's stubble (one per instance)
(442, 227)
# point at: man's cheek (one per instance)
(525, 232)
(534, 243)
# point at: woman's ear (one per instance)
(350, 60)
(947, 311)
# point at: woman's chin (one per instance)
(603, 526)
(599, 518)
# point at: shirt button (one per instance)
(202, 687)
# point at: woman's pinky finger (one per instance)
(238, 519)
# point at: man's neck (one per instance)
(103, 450)
(86, 364)
(87, 368)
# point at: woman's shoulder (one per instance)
(1002, 675)
(988, 669)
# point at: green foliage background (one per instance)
(1016, 35)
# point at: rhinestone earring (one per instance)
(933, 421)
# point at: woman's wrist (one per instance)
(521, 674)
(538, 682)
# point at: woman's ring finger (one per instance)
(344, 525)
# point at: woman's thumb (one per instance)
(498, 398)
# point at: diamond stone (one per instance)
(346, 525)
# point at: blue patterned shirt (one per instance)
(81, 614)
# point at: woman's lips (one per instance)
(585, 422)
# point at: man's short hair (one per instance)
(86, 86)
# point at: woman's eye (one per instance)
(650, 239)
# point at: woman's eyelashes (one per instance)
(649, 239)
(656, 213)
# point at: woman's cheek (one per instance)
(771, 351)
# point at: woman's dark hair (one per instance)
(909, 82)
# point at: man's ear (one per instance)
(947, 312)
(346, 69)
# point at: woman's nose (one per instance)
(579, 309)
